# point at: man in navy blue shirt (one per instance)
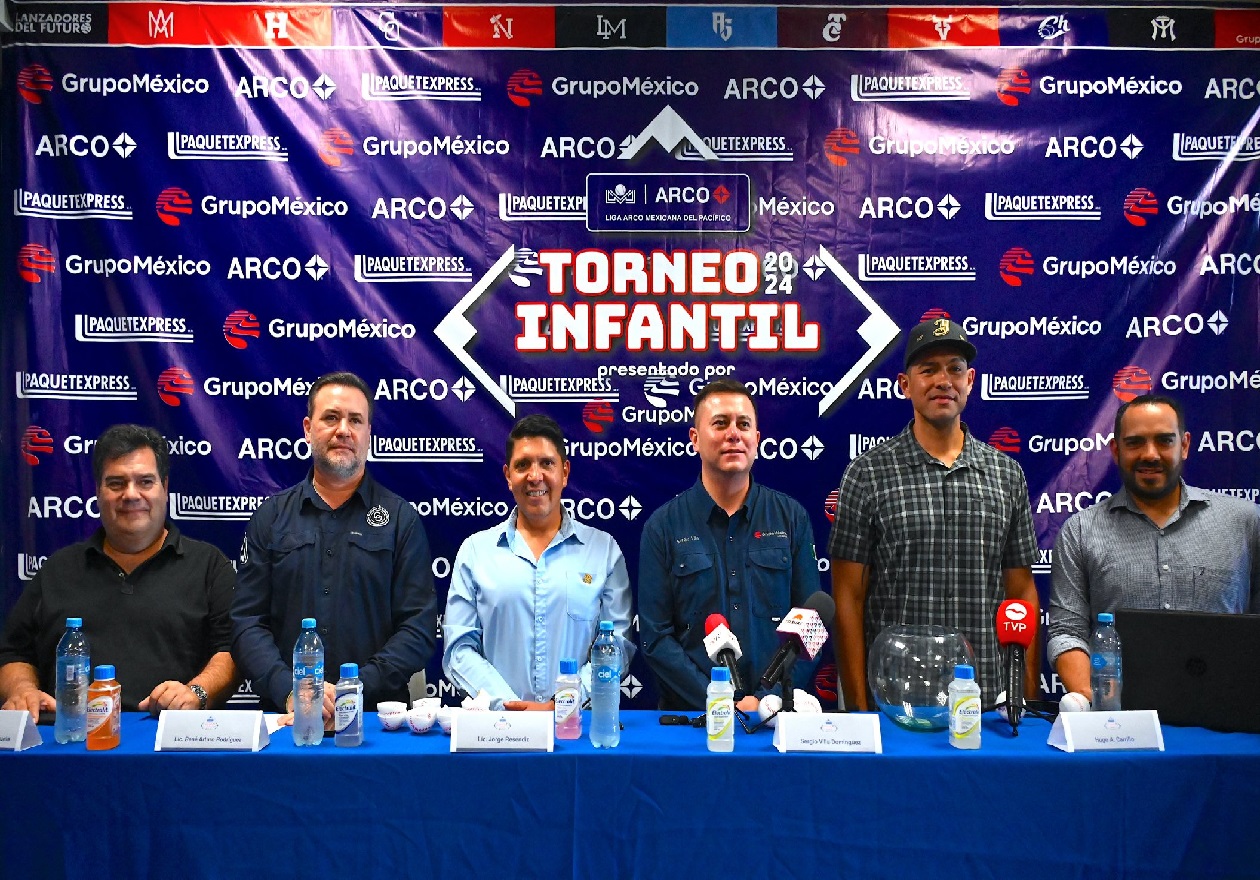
(727, 545)
(343, 549)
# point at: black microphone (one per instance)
(1016, 629)
(802, 630)
(722, 647)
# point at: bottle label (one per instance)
(99, 710)
(607, 674)
(721, 716)
(349, 710)
(566, 703)
(1099, 661)
(302, 670)
(964, 715)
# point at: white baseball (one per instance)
(1073, 702)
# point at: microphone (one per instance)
(1016, 629)
(723, 648)
(803, 630)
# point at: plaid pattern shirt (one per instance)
(936, 539)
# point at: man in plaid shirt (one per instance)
(932, 526)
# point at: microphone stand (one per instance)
(789, 698)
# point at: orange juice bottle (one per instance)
(104, 710)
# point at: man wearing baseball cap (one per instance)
(932, 526)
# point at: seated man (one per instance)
(1156, 543)
(343, 549)
(155, 604)
(728, 546)
(532, 590)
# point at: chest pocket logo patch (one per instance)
(378, 516)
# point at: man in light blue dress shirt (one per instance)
(532, 590)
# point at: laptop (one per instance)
(1196, 669)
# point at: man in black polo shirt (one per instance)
(343, 549)
(154, 603)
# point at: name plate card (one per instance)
(18, 731)
(1107, 731)
(487, 731)
(828, 732)
(211, 731)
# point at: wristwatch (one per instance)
(200, 693)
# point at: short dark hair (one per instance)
(722, 386)
(350, 380)
(1150, 400)
(119, 440)
(537, 425)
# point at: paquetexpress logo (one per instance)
(34, 261)
(598, 416)
(1130, 382)
(36, 441)
(29, 565)
(1140, 204)
(1005, 440)
(333, 144)
(1013, 82)
(840, 144)
(173, 203)
(1016, 265)
(239, 327)
(33, 82)
(523, 86)
(173, 384)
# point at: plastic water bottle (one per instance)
(74, 667)
(308, 686)
(1106, 673)
(349, 724)
(605, 688)
(568, 711)
(720, 711)
(964, 709)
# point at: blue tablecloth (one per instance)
(659, 806)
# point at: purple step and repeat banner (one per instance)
(590, 212)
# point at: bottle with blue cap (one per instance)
(348, 728)
(1106, 673)
(104, 710)
(720, 711)
(74, 668)
(964, 708)
(308, 686)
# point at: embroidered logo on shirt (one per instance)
(687, 539)
(587, 579)
(779, 534)
(378, 516)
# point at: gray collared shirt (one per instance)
(1111, 555)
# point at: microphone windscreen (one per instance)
(713, 621)
(1016, 623)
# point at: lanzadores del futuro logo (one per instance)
(173, 384)
(240, 327)
(172, 203)
(33, 81)
(1130, 382)
(524, 85)
(1139, 205)
(1011, 83)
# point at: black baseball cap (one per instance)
(938, 332)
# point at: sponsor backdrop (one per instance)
(492, 211)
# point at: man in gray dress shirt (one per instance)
(1157, 543)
